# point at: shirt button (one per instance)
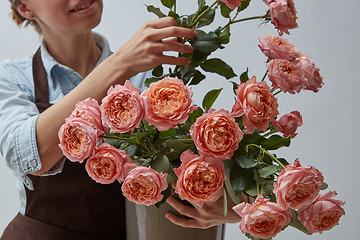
(34, 164)
(26, 166)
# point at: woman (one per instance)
(58, 199)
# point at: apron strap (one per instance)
(40, 83)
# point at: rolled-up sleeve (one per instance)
(18, 115)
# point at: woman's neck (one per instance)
(76, 51)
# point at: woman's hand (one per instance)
(144, 51)
(211, 214)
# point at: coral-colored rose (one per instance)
(167, 103)
(312, 78)
(122, 109)
(286, 76)
(216, 134)
(232, 4)
(297, 186)
(323, 214)
(277, 47)
(200, 178)
(283, 14)
(106, 163)
(289, 123)
(256, 103)
(262, 219)
(77, 139)
(143, 185)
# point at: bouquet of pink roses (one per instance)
(157, 142)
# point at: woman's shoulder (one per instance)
(14, 71)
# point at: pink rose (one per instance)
(232, 4)
(289, 123)
(256, 103)
(89, 111)
(277, 47)
(263, 219)
(283, 14)
(143, 185)
(77, 139)
(297, 186)
(285, 75)
(106, 164)
(323, 214)
(216, 134)
(200, 178)
(167, 103)
(312, 78)
(122, 109)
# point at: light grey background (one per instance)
(328, 31)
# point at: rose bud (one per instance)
(289, 123)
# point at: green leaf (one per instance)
(241, 178)
(324, 186)
(149, 81)
(197, 78)
(206, 42)
(252, 190)
(156, 11)
(210, 98)
(216, 65)
(275, 142)
(295, 223)
(131, 150)
(158, 71)
(137, 137)
(168, 133)
(179, 144)
(168, 3)
(195, 114)
(244, 161)
(225, 10)
(224, 36)
(207, 19)
(244, 77)
(267, 171)
(244, 5)
(236, 198)
(225, 203)
(201, 3)
(161, 163)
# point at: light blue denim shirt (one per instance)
(18, 112)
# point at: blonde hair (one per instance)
(20, 20)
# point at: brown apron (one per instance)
(69, 205)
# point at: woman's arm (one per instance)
(143, 52)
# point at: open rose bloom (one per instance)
(285, 76)
(122, 109)
(167, 103)
(283, 15)
(216, 134)
(77, 139)
(200, 179)
(312, 79)
(89, 110)
(262, 219)
(323, 214)
(143, 185)
(106, 164)
(297, 186)
(289, 123)
(256, 103)
(275, 47)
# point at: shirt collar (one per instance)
(49, 62)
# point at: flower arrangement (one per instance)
(157, 143)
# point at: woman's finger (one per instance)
(184, 222)
(181, 208)
(161, 23)
(168, 32)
